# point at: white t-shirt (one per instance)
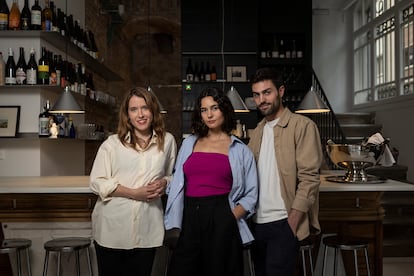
(271, 206)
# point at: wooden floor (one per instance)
(398, 266)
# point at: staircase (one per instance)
(357, 126)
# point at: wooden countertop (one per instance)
(80, 184)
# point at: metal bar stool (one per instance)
(306, 246)
(17, 246)
(341, 243)
(67, 245)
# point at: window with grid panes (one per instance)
(383, 50)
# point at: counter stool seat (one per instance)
(17, 246)
(67, 245)
(348, 244)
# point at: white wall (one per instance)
(332, 62)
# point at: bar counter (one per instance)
(80, 184)
(64, 202)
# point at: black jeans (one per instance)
(275, 249)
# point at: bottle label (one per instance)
(36, 18)
(43, 126)
(4, 21)
(31, 76)
(20, 76)
(10, 80)
(43, 72)
(47, 25)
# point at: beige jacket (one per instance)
(299, 157)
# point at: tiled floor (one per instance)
(398, 266)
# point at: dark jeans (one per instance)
(210, 242)
(121, 262)
(275, 249)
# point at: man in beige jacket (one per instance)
(288, 152)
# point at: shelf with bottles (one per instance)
(207, 69)
(282, 48)
(68, 48)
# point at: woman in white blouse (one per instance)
(130, 173)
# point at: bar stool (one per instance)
(17, 246)
(347, 244)
(306, 246)
(67, 245)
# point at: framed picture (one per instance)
(236, 73)
(9, 120)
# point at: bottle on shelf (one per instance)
(71, 127)
(21, 68)
(31, 72)
(61, 21)
(58, 69)
(44, 120)
(282, 53)
(14, 16)
(94, 48)
(213, 74)
(2, 69)
(189, 72)
(10, 76)
(293, 51)
(25, 17)
(207, 72)
(90, 86)
(196, 72)
(36, 16)
(55, 25)
(288, 49)
(4, 15)
(52, 69)
(275, 49)
(43, 68)
(202, 76)
(47, 17)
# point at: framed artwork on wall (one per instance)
(236, 73)
(9, 120)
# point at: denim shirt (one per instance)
(244, 190)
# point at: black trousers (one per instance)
(121, 262)
(275, 249)
(209, 243)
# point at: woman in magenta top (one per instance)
(213, 191)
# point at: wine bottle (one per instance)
(207, 72)
(10, 76)
(31, 72)
(36, 16)
(25, 17)
(196, 72)
(202, 75)
(4, 15)
(189, 72)
(43, 68)
(282, 53)
(52, 70)
(213, 74)
(55, 25)
(46, 18)
(21, 68)
(94, 48)
(44, 121)
(2, 69)
(14, 16)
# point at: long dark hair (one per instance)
(225, 107)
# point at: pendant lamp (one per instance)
(312, 103)
(236, 101)
(66, 104)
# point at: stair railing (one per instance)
(329, 127)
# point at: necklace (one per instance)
(144, 142)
